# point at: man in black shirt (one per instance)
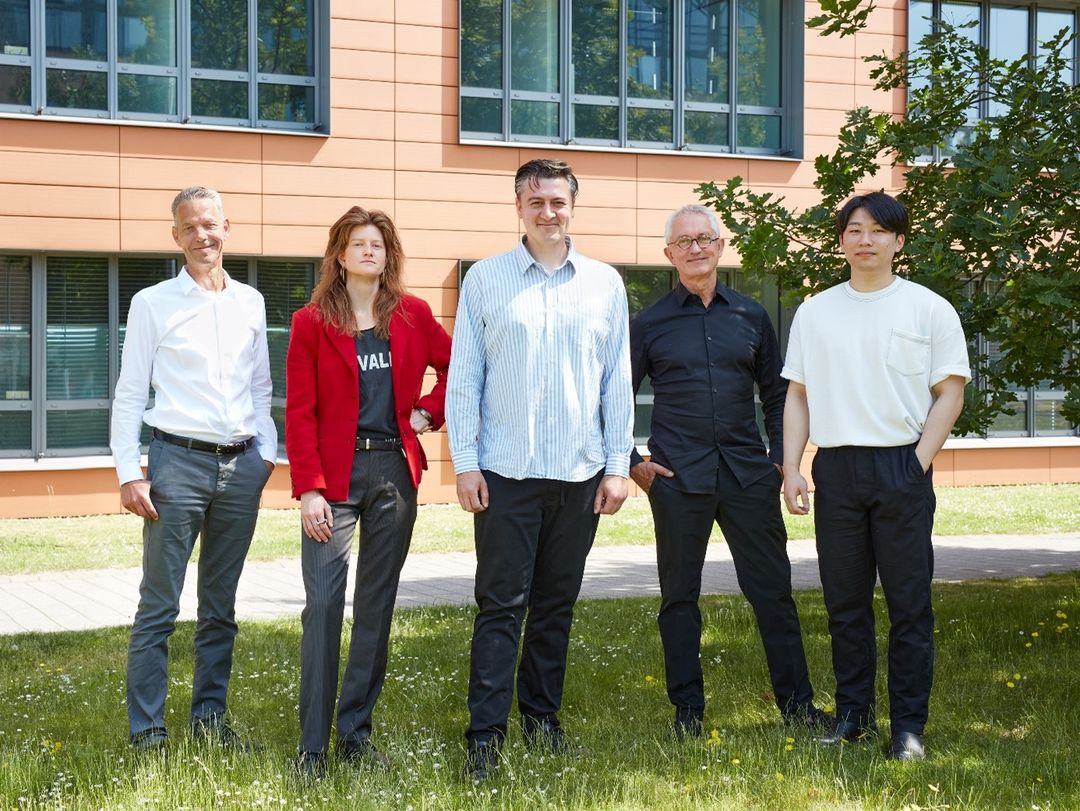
(704, 347)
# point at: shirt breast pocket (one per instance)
(909, 353)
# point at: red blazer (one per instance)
(322, 394)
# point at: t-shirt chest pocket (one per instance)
(909, 353)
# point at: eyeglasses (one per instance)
(703, 241)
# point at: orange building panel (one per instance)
(59, 136)
(353, 123)
(158, 173)
(346, 63)
(363, 34)
(426, 98)
(361, 94)
(60, 234)
(57, 169)
(428, 40)
(86, 202)
(442, 13)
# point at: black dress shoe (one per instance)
(545, 733)
(846, 732)
(363, 753)
(215, 729)
(311, 765)
(811, 718)
(907, 746)
(481, 760)
(150, 740)
(689, 723)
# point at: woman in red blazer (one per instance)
(353, 408)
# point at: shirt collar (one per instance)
(682, 294)
(188, 284)
(526, 260)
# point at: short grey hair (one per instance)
(693, 208)
(197, 193)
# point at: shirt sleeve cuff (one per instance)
(618, 466)
(129, 472)
(466, 462)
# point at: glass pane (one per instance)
(146, 32)
(283, 102)
(14, 328)
(758, 58)
(76, 328)
(481, 44)
(76, 29)
(237, 269)
(758, 131)
(707, 45)
(959, 14)
(706, 128)
(534, 45)
(645, 124)
(76, 89)
(286, 287)
(592, 121)
(1048, 418)
(14, 430)
(77, 429)
(132, 276)
(920, 13)
(539, 118)
(14, 85)
(1048, 23)
(146, 94)
(286, 37)
(644, 287)
(594, 47)
(648, 52)
(1012, 421)
(1008, 41)
(15, 27)
(277, 413)
(481, 115)
(219, 35)
(213, 99)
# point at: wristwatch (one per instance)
(426, 415)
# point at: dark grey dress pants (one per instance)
(874, 512)
(753, 527)
(382, 498)
(216, 498)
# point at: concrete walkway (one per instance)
(72, 601)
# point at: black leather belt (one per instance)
(226, 449)
(365, 444)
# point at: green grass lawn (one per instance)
(106, 541)
(1001, 734)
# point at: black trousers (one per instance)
(754, 530)
(531, 545)
(874, 511)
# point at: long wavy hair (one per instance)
(330, 297)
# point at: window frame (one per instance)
(790, 111)
(39, 63)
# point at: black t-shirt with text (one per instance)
(376, 420)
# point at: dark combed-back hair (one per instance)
(886, 210)
(542, 169)
(330, 297)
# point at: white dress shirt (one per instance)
(539, 383)
(205, 354)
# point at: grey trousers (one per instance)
(382, 498)
(196, 494)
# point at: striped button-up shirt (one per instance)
(539, 383)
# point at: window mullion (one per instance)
(733, 73)
(37, 56)
(183, 52)
(253, 62)
(112, 58)
(113, 329)
(507, 47)
(623, 73)
(37, 355)
(678, 70)
(565, 70)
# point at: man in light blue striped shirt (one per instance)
(539, 412)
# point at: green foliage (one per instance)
(1003, 714)
(994, 224)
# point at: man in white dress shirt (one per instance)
(199, 340)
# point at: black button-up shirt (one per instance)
(703, 363)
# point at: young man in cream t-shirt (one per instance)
(877, 367)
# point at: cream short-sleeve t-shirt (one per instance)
(868, 361)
